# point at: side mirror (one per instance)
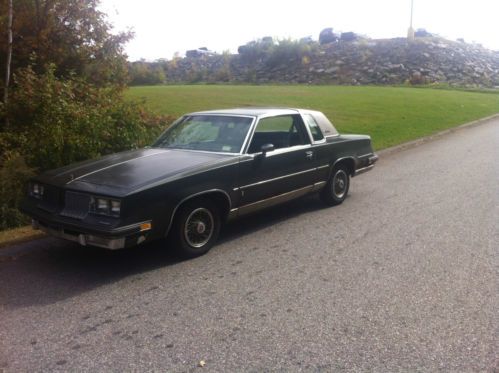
(267, 148)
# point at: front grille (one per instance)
(76, 205)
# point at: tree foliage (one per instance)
(277, 52)
(66, 102)
(146, 73)
(58, 121)
(55, 121)
(13, 173)
(70, 34)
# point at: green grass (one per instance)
(14, 236)
(391, 115)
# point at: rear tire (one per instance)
(336, 189)
(195, 228)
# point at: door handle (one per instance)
(309, 154)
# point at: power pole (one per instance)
(410, 32)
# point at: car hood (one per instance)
(134, 169)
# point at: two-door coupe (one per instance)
(206, 168)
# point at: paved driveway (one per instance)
(402, 277)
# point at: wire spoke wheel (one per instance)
(199, 227)
(195, 227)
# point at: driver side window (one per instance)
(282, 131)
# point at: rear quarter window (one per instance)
(326, 126)
(313, 127)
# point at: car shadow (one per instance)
(53, 270)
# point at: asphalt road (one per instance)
(402, 277)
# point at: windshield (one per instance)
(216, 133)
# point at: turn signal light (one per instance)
(145, 226)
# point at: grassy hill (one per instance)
(391, 115)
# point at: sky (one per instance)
(165, 27)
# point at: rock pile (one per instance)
(358, 62)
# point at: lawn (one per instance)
(391, 115)
(15, 236)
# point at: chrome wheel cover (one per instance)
(199, 227)
(339, 184)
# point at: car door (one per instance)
(322, 152)
(286, 171)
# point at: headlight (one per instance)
(115, 207)
(36, 190)
(105, 206)
(102, 206)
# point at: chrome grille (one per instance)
(76, 205)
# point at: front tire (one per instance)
(196, 227)
(336, 189)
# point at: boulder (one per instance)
(193, 53)
(327, 36)
(383, 61)
(422, 33)
(348, 36)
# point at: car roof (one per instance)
(250, 111)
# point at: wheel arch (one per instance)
(348, 162)
(219, 196)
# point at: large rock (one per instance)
(327, 36)
(195, 53)
(348, 36)
(383, 61)
(422, 33)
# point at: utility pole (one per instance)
(410, 32)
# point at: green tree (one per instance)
(70, 34)
(146, 73)
(55, 121)
(66, 102)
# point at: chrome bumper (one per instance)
(86, 239)
(370, 165)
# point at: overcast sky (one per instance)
(165, 27)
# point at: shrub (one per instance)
(274, 53)
(14, 174)
(288, 51)
(256, 50)
(146, 73)
(51, 122)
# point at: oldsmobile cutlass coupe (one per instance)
(206, 168)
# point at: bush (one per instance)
(273, 53)
(14, 173)
(146, 73)
(256, 50)
(51, 122)
(290, 51)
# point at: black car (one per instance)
(206, 168)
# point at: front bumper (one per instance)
(117, 239)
